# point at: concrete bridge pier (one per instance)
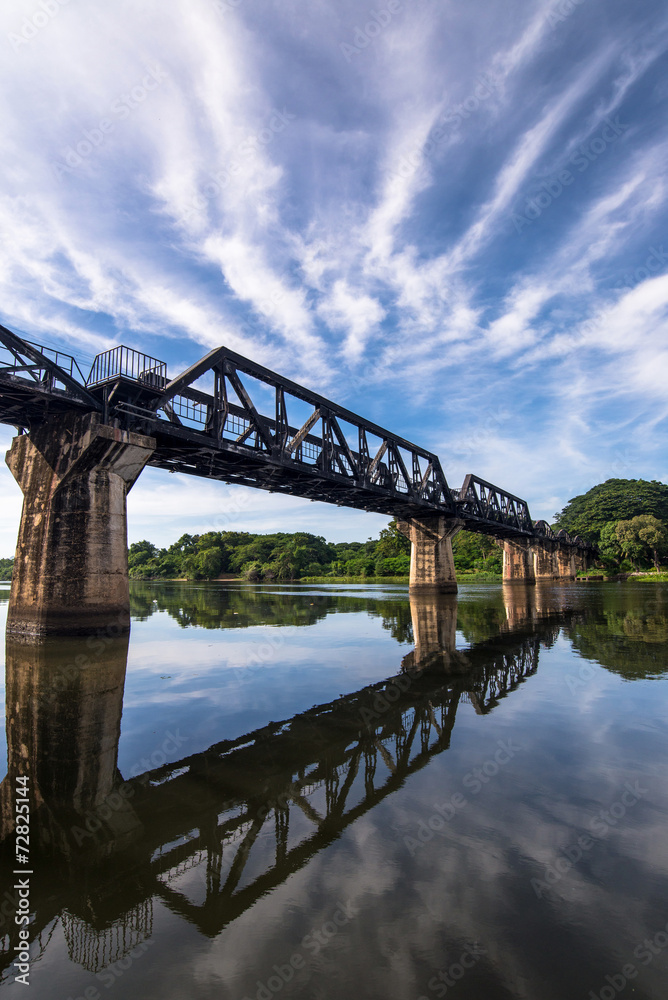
(432, 563)
(582, 560)
(530, 561)
(566, 564)
(518, 561)
(545, 560)
(553, 561)
(71, 571)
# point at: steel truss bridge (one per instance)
(231, 419)
(217, 830)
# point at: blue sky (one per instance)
(449, 216)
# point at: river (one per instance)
(332, 791)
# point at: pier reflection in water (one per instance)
(286, 825)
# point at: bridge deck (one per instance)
(228, 418)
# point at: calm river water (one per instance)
(333, 791)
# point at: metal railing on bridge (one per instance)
(229, 418)
(125, 362)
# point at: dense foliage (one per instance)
(626, 518)
(279, 556)
(477, 552)
(640, 540)
(283, 556)
(612, 501)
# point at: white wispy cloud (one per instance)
(349, 221)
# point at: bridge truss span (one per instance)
(228, 418)
(260, 429)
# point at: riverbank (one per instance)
(462, 577)
(639, 576)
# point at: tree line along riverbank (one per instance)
(627, 519)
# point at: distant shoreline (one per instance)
(476, 577)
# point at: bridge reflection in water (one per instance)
(246, 813)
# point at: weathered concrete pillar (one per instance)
(71, 570)
(565, 556)
(432, 563)
(518, 563)
(582, 560)
(545, 560)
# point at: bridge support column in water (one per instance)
(545, 561)
(71, 569)
(531, 561)
(432, 563)
(582, 560)
(566, 567)
(553, 561)
(518, 561)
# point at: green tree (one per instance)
(473, 551)
(391, 542)
(141, 552)
(613, 500)
(143, 560)
(187, 544)
(641, 537)
(393, 565)
(252, 571)
(609, 546)
(209, 562)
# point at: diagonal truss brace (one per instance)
(20, 348)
